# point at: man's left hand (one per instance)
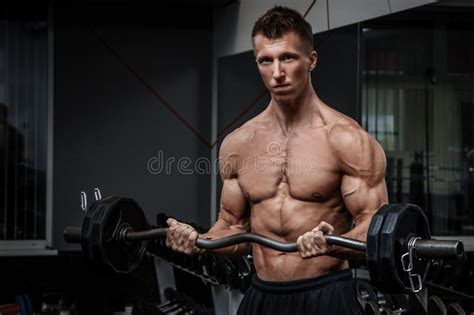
(313, 243)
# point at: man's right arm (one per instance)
(233, 217)
(234, 214)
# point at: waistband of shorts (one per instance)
(302, 284)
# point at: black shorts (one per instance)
(332, 293)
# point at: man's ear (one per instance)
(313, 60)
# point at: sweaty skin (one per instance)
(298, 170)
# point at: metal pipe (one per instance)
(438, 249)
(72, 234)
(145, 235)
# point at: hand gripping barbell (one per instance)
(398, 247)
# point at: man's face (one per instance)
(284, 65)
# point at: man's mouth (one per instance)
(281, 87)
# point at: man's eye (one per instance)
(265, 61)
(288, 58)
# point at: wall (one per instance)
(233, 24)
(108, 125)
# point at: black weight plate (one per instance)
(386, 311)
(401, 223)
(372, 251)
(417, 302)
(384, 300)
(455, 309)
(89, 234)
(436, 306)
(100, 242)
(365, 292)
(371, 308)
(123, 257)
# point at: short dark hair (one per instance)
(280, 20)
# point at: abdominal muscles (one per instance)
(284, 218)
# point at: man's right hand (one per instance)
(182, 237)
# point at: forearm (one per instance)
(222, 229)
(359, 232)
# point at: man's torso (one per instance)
(292, 182)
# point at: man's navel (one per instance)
(317, 196)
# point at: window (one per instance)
(24, 109)
(418, 102)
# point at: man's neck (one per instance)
(299, 112)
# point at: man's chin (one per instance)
(283, 98)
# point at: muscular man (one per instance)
(295, 172)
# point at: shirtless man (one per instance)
(295, 172)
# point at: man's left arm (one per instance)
(362, 163)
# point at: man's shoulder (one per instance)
(334, 118)
(244, 134)
(355, 148)
(342, 130)
(345, 135)
(232, 146)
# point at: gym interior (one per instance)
(120, 103)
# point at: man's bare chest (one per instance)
(302, 162)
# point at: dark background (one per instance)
(108, 125)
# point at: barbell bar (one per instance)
(423, 248)
(398, 246)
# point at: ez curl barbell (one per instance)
(398, 249)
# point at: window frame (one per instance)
(41, 247)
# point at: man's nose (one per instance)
(278, 72)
